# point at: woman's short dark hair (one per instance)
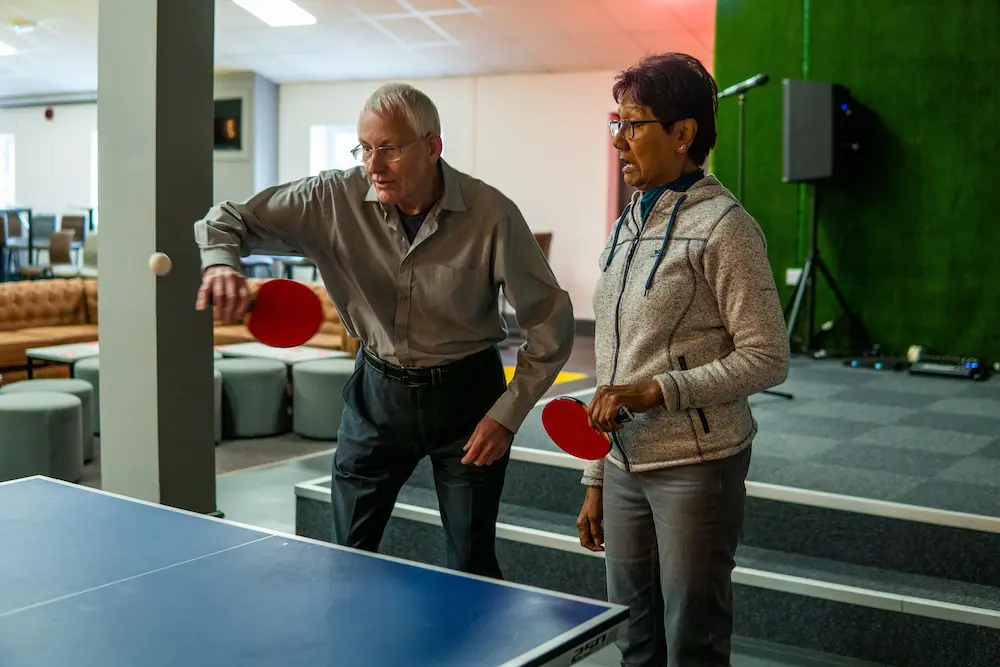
(675, 86)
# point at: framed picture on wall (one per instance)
(229, 125)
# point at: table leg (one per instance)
(31, 368)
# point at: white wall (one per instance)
(51, 157)
(542, 139)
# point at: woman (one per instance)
(688, 326)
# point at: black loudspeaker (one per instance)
(820, 132)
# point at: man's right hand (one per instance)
(228, 291)
(591, 519)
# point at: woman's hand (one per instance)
(590, 523)
(609, 399)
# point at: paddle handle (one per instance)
(624, 415)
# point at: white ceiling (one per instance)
(371, 39)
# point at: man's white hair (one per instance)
(404, 100)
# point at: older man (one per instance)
(413, 254)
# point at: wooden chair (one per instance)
(60, 245)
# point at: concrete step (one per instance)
(844, 609)
(862, 531)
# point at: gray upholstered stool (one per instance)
(317, 396)
(254, 398)
(75, 386)
(41, 433)
(217, 395)
(89, 370)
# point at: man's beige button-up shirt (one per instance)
(420, 304)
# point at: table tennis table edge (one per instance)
(597, 632)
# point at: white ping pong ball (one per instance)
(159, 264)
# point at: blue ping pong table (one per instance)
(90, 578)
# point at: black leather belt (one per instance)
(415, 376)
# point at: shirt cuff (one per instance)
(508, 412)
(216, 256)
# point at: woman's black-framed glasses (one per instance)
(627, 126)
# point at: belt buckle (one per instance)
(409, 379)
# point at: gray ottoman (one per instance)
(254, 397)
(41, 433)
(89, 370)
(317, 396)
(75, 386)
(217, 395)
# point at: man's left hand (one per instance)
(488, 443)
(609, 399)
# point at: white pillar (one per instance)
(155, 114)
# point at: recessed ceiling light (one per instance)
(277, 13)
(7, 49)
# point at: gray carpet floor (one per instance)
(886, 435)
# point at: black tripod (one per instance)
(739, 196)
(807, 282)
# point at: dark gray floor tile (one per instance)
(845, 481)
(802, 389)
(877, 397)
(911, 384)
(974, 470)
(954, 496)
(823, 427)
(851, 411)
(968, 406)
(990, 451)
(953, 422)
(866, 456)
(925, 439)
(764, 468)
(792, 446)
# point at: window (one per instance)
(330, 147)
(7, 180)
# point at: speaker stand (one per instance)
(739, 196)
(807, 282)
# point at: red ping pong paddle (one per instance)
(565, 420)
(285, 313)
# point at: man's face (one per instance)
(405, 161)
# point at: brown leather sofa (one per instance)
(40, 313)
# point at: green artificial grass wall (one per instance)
(913, 239)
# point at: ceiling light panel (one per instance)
(277, 13)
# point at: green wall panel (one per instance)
(913, 238)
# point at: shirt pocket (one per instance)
(454, 292)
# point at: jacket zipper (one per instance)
(618, 312)
(701, 413)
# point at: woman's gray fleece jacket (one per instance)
(688, 299)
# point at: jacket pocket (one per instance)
(682, 362)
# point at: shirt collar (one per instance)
(451, 199)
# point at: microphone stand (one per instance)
(739, 196)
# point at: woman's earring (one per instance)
(681, 149)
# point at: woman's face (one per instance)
(652, 156)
